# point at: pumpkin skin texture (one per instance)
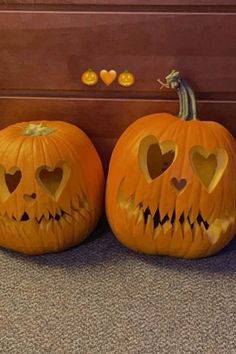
(171, 187)
(51, 186)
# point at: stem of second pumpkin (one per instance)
(187, 101)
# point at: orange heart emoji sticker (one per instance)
(108, 76)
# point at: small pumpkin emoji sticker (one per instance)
(126, 79)
(89, 77)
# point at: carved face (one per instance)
(48, 199)
(171, 187)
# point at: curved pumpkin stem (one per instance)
(187, 101)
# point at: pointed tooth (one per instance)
(135, 214)
(18, 217)
(163, 215)
(200, 243)
(46, 215)
(13, 217)
(196, 229)
(202, 226)
(167, 227)
(186, 226)
(149, 225)
(84, 212)
(131, 211)
(188, 237)
(222, 223)
(59, 211)
(158, 231)
(68, 218)
(53, 212)
(140, 217)
(139, 226)
(128, 206)
(177, 226)
(193, 215)
(170, 213)
(178, 213)
(214, 233)
(137, 201)
(76, 216)
(122, 204)
(43, 222)
(191, 218)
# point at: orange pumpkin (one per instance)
(51, 186)
(171, 183)
(89, 77)
(126, 79)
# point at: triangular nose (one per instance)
(178, 184)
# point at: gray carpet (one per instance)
(102, 298)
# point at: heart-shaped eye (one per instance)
(53, 180)
(154, 157)
(9, 181)
(208, 166)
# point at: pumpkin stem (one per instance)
(37, 129)
(187, 101)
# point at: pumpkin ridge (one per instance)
(184, 136)
(220, 205)
(221, 202)
(232, 155)
(18, 158)
(60, 239)
(70, 151)
(161, 190)
(204, 142)
(47, 161)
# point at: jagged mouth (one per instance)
(213, 229)
(57, 217)
(182, 219)
(192, 222)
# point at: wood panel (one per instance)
(104, 120)
(49, 50)
(123, 2)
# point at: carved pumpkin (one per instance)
(126, 79)
(171, 183)
(89, 77)
(51, 186)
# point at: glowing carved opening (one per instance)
(9, 181)
(54, 180)
(154, 157)
(209, 167)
